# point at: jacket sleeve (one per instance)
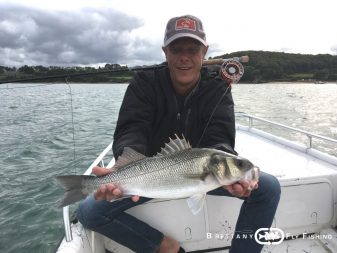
(135, 118)
(219, 118)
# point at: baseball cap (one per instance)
(184, 26)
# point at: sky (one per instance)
(96, 32)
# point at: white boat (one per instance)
(305, 220)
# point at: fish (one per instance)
(177, 171)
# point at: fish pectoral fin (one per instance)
(121, 198)
(196, 202)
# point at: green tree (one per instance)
(321, 74)
(26, 70)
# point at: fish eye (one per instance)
(239, 162)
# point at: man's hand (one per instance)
(242, 188)
(108, 191)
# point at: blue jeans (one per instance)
(109, 218)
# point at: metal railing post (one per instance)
(67, 227)
(250, 124)
(66, 215)
(309, 141)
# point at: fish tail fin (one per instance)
(73, 186)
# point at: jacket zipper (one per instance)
(186, 121)
(183, 125)
(178, 114)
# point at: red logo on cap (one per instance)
(186, 23)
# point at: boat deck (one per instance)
(306, 213)
(280, 157)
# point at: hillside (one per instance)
(263, 66)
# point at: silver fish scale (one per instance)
(178, 171)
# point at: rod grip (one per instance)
(219, 61)
(213, 62)
(244, 58)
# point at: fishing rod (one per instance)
(231, 70)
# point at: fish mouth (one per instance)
(256, 173)
(255, 178)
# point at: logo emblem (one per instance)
(186, 23)
(268, 236)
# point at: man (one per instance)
(185, 99)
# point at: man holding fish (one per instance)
(190, 109)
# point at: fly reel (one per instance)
(231, 70)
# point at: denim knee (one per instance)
(81, 214)
(275, 188)
(88, 213)
(268, 192)
(270, 186)
(94, 213)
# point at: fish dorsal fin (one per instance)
(175, 145)
(128, 156)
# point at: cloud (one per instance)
(334, 49)
(87, 36)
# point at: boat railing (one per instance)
(66, 215)
(310, 136)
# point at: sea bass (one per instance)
(178, 171)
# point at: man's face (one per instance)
(184, 57)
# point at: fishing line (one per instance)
(231, 71)
(72, 122)
(71, 108)
(210, 117)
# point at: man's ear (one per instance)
(164, 50)
(204, 49)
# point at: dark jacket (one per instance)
(150, 114)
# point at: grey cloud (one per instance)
(87, 36)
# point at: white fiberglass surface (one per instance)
(280, 160)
